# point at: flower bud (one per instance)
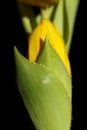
(45, 92)
(40, 2)
(43, 79)
(36, 41)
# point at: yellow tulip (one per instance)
(40, 2)
(36, 41)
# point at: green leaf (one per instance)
(44, 95)
(54, 63)
(64, 17)
(27, 15)
(57, 16)
(70, 12)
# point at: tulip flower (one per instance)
(62, 14)
(44, 82)
(40, 2)
(37, 38)
(44, 75)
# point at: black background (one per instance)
(13, 114)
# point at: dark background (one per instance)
(13, 114)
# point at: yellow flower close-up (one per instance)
(43, 82)
(36, 42)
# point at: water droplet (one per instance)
(34, 48)
(54, 58)
(47, 79)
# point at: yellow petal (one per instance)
(36, 41)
